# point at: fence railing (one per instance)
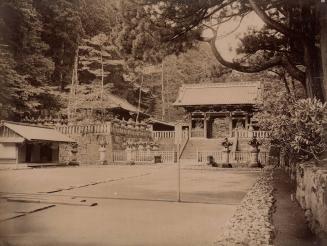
(134, 130)
(261, 134)
(242, 157)
(84, 129)
(243, 133)
(203, 156)
(119, 156)
(163, 134)
(144, 156)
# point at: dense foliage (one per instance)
(297, 125)
(26, 67)
(291, 37)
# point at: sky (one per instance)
(228, 44)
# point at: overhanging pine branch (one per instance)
(280, 60)
(293, 70)
(275, 61)
(274, 24)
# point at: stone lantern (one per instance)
(129, 152)
(102, 151)
(227, 144)
(254, 160)
(148, 147)
(130, 123)
(73, 161)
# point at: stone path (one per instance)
(289, 221)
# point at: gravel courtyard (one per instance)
(118, 205)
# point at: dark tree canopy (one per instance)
(289, 39)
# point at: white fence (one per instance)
(119, 156)
(242, 157)
(242, 133)
(144, 156)
(203, 156)
(83, 129)
(163, 134)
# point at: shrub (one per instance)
(298, 126)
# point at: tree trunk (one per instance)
(323, 46)
(312, 61)
(61, 67)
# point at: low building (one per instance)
(24, 143)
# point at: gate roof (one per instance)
(219, 94)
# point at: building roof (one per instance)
(110, 101)
(219, 94)
(35, 133)
(156, 121)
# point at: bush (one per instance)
(298, 126)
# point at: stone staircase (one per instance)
(166, 144)
(243, 144)
(190, 151)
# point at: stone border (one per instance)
(251, 223)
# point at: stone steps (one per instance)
(195, 145)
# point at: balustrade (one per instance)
(243, 133)
(144, 156)
(163, 134)
(114, 128)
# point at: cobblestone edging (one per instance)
(251, 223)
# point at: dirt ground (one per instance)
(289, 221)
(136, 205)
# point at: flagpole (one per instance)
(139, 102)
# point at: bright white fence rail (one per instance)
(163, 134)
(242, 133)
(83, 129)
(144, 156)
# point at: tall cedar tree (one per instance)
(62, 32)
(26, 69)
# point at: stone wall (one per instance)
(87, 150)
(89, 138)
(311, 193)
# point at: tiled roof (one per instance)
(33, 133)
(110, 101)
(219, 94)
(153, 120)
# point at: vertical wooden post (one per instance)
(179, 175)
(139, 101)
(205, 125)
(162, 92)
(197, 155)
(17, 153)
(230, 124)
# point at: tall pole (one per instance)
(162, 92)
(102, 84)
(72, 104)
(179, 173)
(140, 96)
(168, 100)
